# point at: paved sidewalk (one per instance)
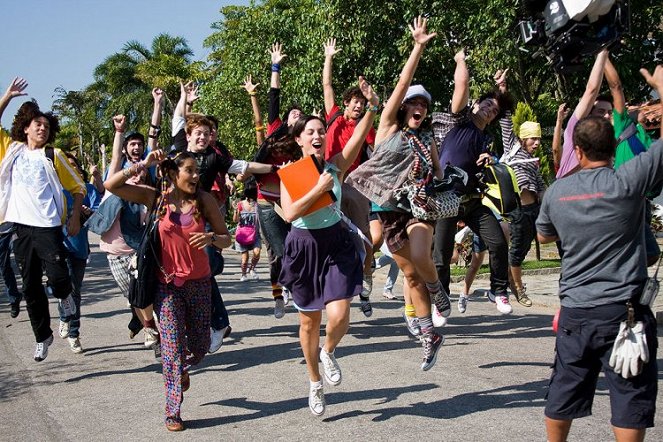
(489, 383)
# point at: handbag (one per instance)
(145, 265)
(430, 199)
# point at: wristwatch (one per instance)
(213, 237)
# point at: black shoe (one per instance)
(15, 309)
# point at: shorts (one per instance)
(478, 246)
(585, 337)
(394, 228)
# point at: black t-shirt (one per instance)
(211, 161)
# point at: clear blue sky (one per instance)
(55, 43)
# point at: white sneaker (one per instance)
(243, 278)
(438, 319)
(254, 275)
(41, 350)
(412, 325)
(330, 367)
(286, 296)
(63, 329)
(503, 305)
(279, 308)
(151, 337)
(75, 345)
(68, 306)
(316, 399)
(215, 339)
(462, 303)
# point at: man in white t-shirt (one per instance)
(32, 178)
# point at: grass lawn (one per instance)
(527, 265)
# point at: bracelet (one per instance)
(154, 126)
(372, 107)
(252, 94)
(276, 67)
(274, 168)
(189, 103)
(260, 128)
(155, 136)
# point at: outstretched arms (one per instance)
(327, 89)
(388, 120)
(461, 93)
(656, 82)
(257, 119)
(15, 89)
(593, 87)
(277, 57)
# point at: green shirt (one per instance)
(620, 122)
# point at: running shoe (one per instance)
(41, 350)
(462, 303)
(63, 329)
(503, 305)
(279, 308)
(412, 325)
(522, 297)
(254, 275)
(366, 307)
(438, 319)
(151, 337)
(75, 345)
(442, 302)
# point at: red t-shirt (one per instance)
(339, 133)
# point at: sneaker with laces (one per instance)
(75, 345)
(442, 302)
(367, 286)
(254, 275)
(438, 319)
(330, 367)
(243, 278)
(63, 329)
(522, 297)
(316, 399)
(431, 343)
(286, 296)
(462, 303)
(503, 305)
(68, 306)
(279, 308)
(41, 351)
(388, 294)
(366, 307)
(216, 338)
(490, 295)
(412, 325)
(151, 337)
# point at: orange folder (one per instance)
(302, 176)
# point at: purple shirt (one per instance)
(569, 160)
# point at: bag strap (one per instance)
(658, 266)
(352, 226)
(629, 131)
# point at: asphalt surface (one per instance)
(489, 383)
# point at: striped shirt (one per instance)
(524, 165)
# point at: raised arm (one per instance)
(461, 93)
(15, 89)
(327, 89)
(136, 193)
(615, 85)
(155, 121)
(347, 156)
(388, 119)
(656, 82)
(593, 87)
(251, 89)
(506, 123)
(562, 113)
(120, 124)
(277, 57)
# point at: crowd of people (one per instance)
(160, 211)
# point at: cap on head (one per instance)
(530, 129)
(417, 90)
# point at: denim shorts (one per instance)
(585, 337)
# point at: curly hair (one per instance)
(195, 120)
(173, 165)
(23, 118)
(353, 92)
(504, 101)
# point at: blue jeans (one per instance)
(77, 273)
(383, 260)
(8, 276)
(219, 316)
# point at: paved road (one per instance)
(489, 383)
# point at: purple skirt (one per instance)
(320, 266)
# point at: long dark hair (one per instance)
(173, 164)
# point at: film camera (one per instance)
(566, 31)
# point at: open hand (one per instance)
(16, 88)
(368, 91)
(249, 86)
(418, 30)
(330, 48)
(656, 80)
(276, 53)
